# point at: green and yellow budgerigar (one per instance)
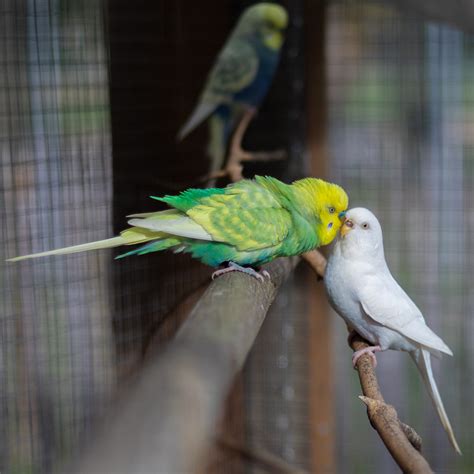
(248, 223)
(240, 77)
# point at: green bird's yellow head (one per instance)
(268, 20)
(328, 201)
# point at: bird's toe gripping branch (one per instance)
(234, 267)
(369, 351)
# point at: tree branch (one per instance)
(401, 440)
(317, 261)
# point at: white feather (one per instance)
(183, 226)
(423, 362)
(386, 302)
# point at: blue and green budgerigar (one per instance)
(240, 77)
(247, 223)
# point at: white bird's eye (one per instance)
(331, 210)
(365, 225)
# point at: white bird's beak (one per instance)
(346, 227)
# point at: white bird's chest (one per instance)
(342, 279)
(341, 291)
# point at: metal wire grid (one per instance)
(55, 190)
(400, 105)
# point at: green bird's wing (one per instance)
(235, 69)
(247, 216)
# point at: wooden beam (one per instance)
(321, 386)
(167, 421)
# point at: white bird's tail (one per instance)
(423, 362)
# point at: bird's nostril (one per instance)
(349, 223)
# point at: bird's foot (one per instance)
(368, 350)
(238, 156)
(234, 267)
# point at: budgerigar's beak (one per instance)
(347, 226)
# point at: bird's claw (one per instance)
(220, 272)
(234, 267)
(369, 351)
(265, 274)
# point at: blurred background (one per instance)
(377, 96)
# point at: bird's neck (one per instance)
(357, 251)
(306, 192)
(309, 198)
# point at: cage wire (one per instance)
(88, 133)
(276, 393)
(400, 111)
(55, 363)
(91, 97)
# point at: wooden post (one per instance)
(320, 360)
(166, 422)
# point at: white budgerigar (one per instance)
(362, 290)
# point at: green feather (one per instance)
(189, 198)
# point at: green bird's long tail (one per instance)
(100, 244)
(130, 236)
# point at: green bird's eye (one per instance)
(332, 210)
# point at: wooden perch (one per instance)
(401, 440)
(317, 261)
(166, 422)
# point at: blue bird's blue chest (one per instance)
(255, 92)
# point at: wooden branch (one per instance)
(370, 387)
(166, 421)
(317, 261)
(401, 440)
(260, 457)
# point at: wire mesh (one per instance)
(400, 117)
(91, 96)
(55, 366)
